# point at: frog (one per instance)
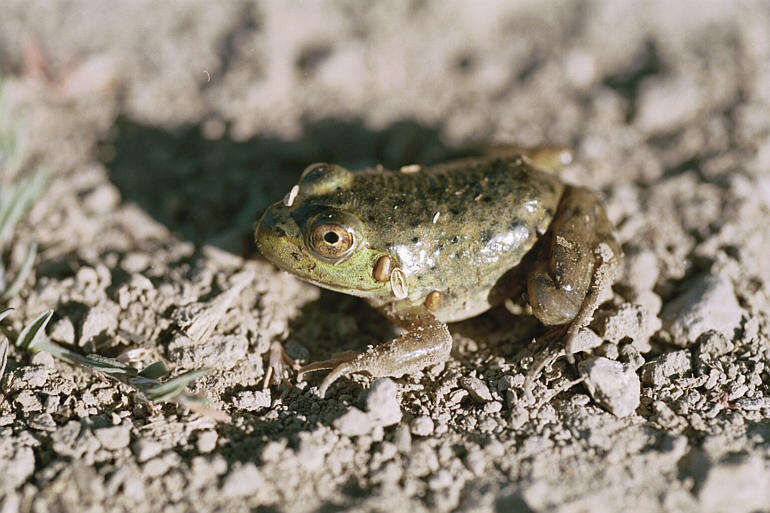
(432, 245)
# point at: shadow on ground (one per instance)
(212, 190)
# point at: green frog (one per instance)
(427, 246)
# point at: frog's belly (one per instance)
(461, 308)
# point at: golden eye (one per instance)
(331, 241)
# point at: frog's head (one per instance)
(322, 242)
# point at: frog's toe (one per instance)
(278, 363)
(331, 363)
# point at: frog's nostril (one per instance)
(279, 231)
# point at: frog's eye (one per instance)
(331, 241)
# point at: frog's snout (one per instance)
(271, 234)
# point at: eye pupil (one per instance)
(331, 237)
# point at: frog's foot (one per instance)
(576, 265)
(278, 361)
(606, 269)
(427, 342)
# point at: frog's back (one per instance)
(458, 227)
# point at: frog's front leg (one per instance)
(578, 260)
(426, 342)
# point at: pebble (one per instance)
(707, 303)
(252, 400)
(354, 422)
(100, 320)
(713, 343)
(242, 482)
(657, 372)
(585, 339)
(630, 355)
(113, 438)
(666, 103)
(402, 438)
(145, 449)
(207, 441)
(737, 487)
(629, 321)
(44, 359)
(421, 426)
(477, 388)
(612, 384)
(382, 403)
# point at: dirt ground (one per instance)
(168, 126)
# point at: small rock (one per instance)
(252, 400)
(219, 351)
(28, 401)
(584, 340)
(354, 422)
(657, 372)
(519, 416)
(113, 438)
(612, 384)
(207, 441)
(739, 487)
(382, 404)
(421, 426)
(640, 268)
(402, 438)
(63, 331)
(35, 376)
(19, 468)
(145, 449)
(667, 102)
(608, 350)
(42, 422)
(102, 199)
(713, 343)
(630, 355)
(44, 359)
(100, 320)
(477, 388)
(708, 303)
(243, 482)
(629, 321)
(441, 480)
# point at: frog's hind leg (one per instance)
(426, 342)
(576, 263)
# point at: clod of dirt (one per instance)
(713, 344)
(477, 388)
(738, 487)
(612, 384)
(113, 438)
(146, 449)
(382, 404)
(421, 426)
(382, 410)
(630, 320)
(708, 303)
(243, 481)
(658, 372)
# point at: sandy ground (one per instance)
(168, 126)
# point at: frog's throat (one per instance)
(344, 290)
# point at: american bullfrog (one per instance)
(433, 245)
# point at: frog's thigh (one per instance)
(426, 342)
(560, 278)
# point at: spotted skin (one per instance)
(457, 239)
